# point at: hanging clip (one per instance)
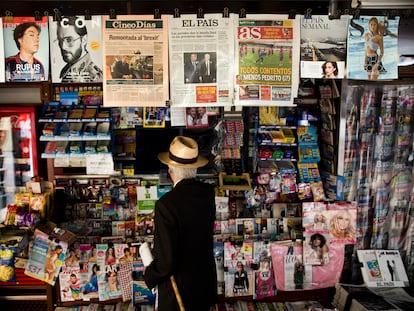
(57, 17)
(242, 13)
(112, 14)
(292, 14)
(200, 13)
(392, 14)
(8, 16)
(176, 13)
(226, 13)
(88, 16)
(157, 14)
(308, 14)
(37, 16)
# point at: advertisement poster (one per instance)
(135, 61)
(267, 46)
(323, 46)
(76, 49)
(201, 60)
(373, 48)
(26, 49)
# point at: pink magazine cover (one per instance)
(29, 61)
(264, 279)
(238, 252)
(342, 222)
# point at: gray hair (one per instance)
(183, 173)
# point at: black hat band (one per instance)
(181, 160)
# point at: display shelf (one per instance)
(75, 138)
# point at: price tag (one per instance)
(99, 164)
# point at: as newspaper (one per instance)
(267, 47)
(201, 60)
(135, 61)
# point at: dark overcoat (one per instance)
(183, 247)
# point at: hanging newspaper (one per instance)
(267, 47)
(135, 61)
(323, 46)
(201, 60)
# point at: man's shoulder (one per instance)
(13, 58)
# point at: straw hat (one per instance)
(183, 153)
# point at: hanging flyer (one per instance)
(26, 49)
(267, 47)
(201, 60)
(76, 49)
(135, 61)
(323, 46)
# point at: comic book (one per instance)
(69, 284)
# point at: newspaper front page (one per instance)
(267, 46)
(135, 61)
(201, 60)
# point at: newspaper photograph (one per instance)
(201, 60)
(267, 46)
(135, 49)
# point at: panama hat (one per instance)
(183, 152)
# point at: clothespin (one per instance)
(8, 16)
(57, 16)
(37, 16)
(292, 14)
(242, 13)
(226, 13)
(157, 14)
(88, 16)
(176, 13)
(112, 14)
(200, 13)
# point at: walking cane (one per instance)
(177, 293)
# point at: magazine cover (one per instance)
(155, 117)
(201, 59)
(26, 48)
(264, 279)
(45, 258)
(323, 46)
(370, 268)
(342, 218)
(125, 280)
(135, 49)
(316, 248)
(234, 252)
(239, 280)
(266, 47)
(196, 117)
(69, 284)
(297, 275)
(141, 294)
(372, 50)
(108, 282)
(76, 49)
(89, 280)
(219, 260)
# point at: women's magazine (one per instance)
(46, 258)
